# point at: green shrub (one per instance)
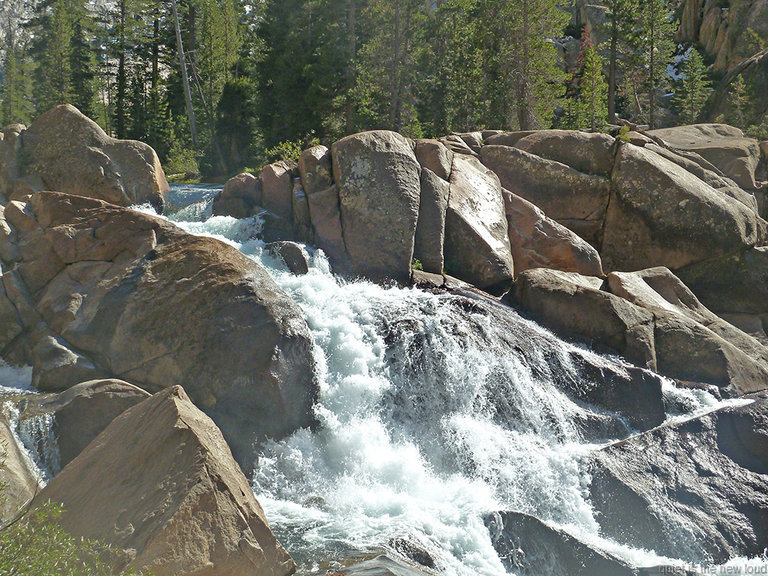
(181, 161)
(35, 544)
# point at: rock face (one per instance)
(588, 153)
(734, 287)
(722, 33)
(112, 292)
(378, 182)
(294, 256)
(662, 215)
(20, 482)
(189, 509)
(574, 305)
(661, 489)
(72, 154)
(277, 190)
(539, 242)
(572, 198)
(240, 198)
(722, 145)
(82, 412)
(693, 344)
(652, 320)
(430, 229)
(476, 234)
(529, 547)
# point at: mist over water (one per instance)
(432, 416)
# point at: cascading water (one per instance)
(434, 414)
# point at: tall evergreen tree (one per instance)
(526, 81)
(386, 78)
(622, 22)
(16, 95)
(693, 88)
(593, 97)
(657, 47)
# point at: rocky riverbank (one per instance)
(165, 357)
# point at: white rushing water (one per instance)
(430, 420)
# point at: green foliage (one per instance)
(287, 151)
(693, 88)
(181, 161)
(738, 102)
(416, 264)
(526, 82)
(35, 544)
(593, 99)
(657, 47)
(16, 104)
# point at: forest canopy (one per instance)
(220, 85)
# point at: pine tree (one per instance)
(387, 83)
(694, 88)
(525, 80)
(657, 47)
(593, 97)
(16, 98)
(739, 102)
(622, 20)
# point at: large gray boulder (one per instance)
(589, 153)
(378, 180)
(72, 154)
(136, 298)
(724, 146)
(661, 490)
(530, 547)
(574, 199)
(662, 215)
(315, 169)
(477, 246)
(539, 242)
(735, 288)
(160, 485)
(240, 198)
(430, 229)
(575, 306)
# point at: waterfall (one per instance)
(435, 412)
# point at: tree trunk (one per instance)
(612, 74)
(184, 75)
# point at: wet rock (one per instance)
(160, 483)
(476, 234)
(695, 490)
(16, 475)
(379, 189)
(240, 198)
(294, 255)
(529, 547)
(72, 154)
